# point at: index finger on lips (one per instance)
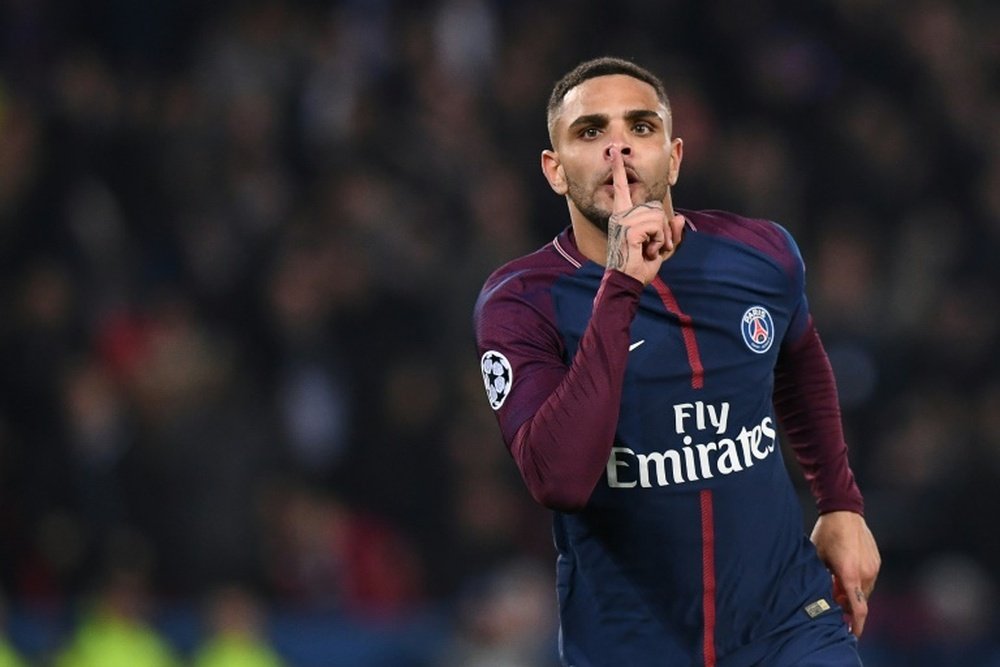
(623, 198)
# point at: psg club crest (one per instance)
(758, 329)
(498, 376)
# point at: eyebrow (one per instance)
(601, 119)
(596, 119)
(642, 114)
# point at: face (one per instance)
(601, 113)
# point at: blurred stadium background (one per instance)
(240, 407)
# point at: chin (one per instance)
(598, 219)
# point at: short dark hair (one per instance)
(604, 66)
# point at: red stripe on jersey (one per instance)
(687, 331)
(708, 576)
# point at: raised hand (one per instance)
(640, 236)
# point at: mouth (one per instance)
(629, 174)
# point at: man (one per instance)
(636, 365)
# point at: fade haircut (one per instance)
(594, 68)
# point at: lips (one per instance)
(630, 175)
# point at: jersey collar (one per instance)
(565, 244)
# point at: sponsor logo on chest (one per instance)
(703, 454)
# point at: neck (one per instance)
(591, 241)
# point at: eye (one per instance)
(590, 133)
(643, 128)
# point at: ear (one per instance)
(676, 155)
(553, 170)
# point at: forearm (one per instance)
(563, 449)
(806, 403)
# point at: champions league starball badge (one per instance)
(497, 376)
(758, 329)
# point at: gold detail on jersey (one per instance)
(818, 607)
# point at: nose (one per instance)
(622, 148)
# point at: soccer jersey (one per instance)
(647, 419)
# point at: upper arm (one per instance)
(794, 266)
(522, 356)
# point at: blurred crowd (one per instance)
(239, 247)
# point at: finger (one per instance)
(852, 598)
(859, 611)
(839, 594)
(676, 228)
(623, 198)
(654, 245)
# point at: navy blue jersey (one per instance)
(646, 418)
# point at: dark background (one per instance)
(239, 247)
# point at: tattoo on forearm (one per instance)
(617, 246)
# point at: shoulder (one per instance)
(764, 236)
(527, 279)
(516, 307)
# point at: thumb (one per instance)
(676, 230)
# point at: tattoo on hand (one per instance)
(618, 249)
(617, 246)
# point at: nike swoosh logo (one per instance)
(636, 344)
